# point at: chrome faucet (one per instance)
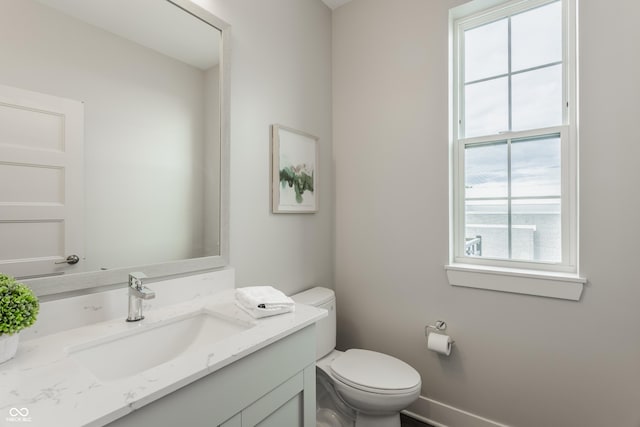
(137, 292)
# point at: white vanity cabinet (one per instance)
(274, 386)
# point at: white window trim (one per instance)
(532, 278)
(519, 281)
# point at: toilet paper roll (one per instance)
(439, 343)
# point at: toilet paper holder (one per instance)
(439, 326)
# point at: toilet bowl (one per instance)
(360, 388)
(331, 411)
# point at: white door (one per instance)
(41, 183)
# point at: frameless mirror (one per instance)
(113, 141)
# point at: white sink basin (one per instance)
(134, 351)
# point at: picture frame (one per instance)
(294, 170)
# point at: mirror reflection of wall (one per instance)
(151, 130)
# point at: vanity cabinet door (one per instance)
(281, 407)
(291, 404)
(233, 422)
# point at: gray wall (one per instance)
(521, 360)
(280, 73)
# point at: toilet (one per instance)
(357, 387)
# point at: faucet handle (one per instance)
(135, 278)
(146, 293)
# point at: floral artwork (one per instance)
(294, 171)
(299, 177)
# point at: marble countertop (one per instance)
(44, 386)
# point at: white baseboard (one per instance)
(439, 414)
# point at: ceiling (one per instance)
(334, 4)
(151, 23)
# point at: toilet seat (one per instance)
(376, 373)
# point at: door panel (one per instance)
(31, 128)
(38, 184)
(41, 182)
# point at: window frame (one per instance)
(567, 269)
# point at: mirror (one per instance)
(146, 85)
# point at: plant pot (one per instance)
(8, 346)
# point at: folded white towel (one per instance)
(263, 297)
(263, 301)
(258, 313)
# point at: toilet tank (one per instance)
(325, 328)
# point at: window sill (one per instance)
(528, 282)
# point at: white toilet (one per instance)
(357, 387)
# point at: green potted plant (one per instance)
(18, 310)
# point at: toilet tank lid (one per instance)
(314, 296)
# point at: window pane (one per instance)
(537, 98)
(536, 37)
(511, 84)
(485, 173)
(486, 107)
(535, 167)
(536, 230)
(486, 229)
(486, 51)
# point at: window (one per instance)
(514, 148)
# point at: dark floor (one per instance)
(411, 422)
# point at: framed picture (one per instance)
(294, 171)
